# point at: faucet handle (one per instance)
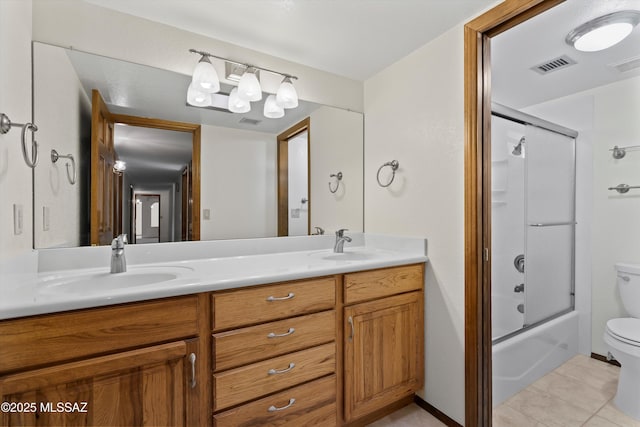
(319, 230)
(340, 233)
(119, 241)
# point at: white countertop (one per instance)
(200, 267)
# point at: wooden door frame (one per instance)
(195, 130)
(283, 174)
(477, 199)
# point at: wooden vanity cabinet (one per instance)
(383, 338)
(122, 365)
(274, 354)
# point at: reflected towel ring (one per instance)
(71, 177)
(394, 166)
(5, 126)
(338, 177)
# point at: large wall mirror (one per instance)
(122, 152)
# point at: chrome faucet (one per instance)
(340, 239)
(118, 261)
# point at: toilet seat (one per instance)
(625, 329)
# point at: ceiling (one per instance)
(351, 38)
(541, 38)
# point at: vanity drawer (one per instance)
(259, 379)
(314, 405)
(265, 303)
(51, 338)
(381, 283)
(242, 346)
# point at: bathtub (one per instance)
(522, 359)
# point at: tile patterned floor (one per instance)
(578, 393)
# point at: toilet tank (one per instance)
(629, 286)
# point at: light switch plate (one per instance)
(17, 219)
(295, 213)
(206, 213)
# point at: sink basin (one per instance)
(105, 281)
(346, 256)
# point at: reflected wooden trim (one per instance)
(477, 108)
(283, 174)
(193, 128)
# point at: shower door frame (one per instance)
(477, 183)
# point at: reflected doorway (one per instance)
(294, 204)
(148, 218)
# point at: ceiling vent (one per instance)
(249, 121)
(555, 64)
(627, 64)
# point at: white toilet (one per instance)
(622, 336)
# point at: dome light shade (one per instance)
(603, 32)
(205, 77)
(237, 104)
(271, 108)
(198, 98)
(287, 96)
(249, 87)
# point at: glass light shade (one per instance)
(271, 108)
(603, 37)
(237, 104)
(205, 77)
(197, 97)
(120, 166)
(249, 87)
(287, 96)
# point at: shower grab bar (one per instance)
(623, 188)
(552, 224)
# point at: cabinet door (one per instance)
(384, 347)
(149, 386)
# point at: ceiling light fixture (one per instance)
(248, 90)
(603, 32)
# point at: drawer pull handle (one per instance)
(272, 298)
(274, 335)
(274, 409)
(192, 360)
(282, 371)
(350, 320)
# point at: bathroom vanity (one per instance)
(342, 345)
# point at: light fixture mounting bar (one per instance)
(203, 53)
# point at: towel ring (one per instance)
(5, 126)
(338, 177)
(394, 166)
(71, 177)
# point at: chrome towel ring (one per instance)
(5, 126)
(338, 177)
(394, 166)
(71, 177)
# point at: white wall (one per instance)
(15, 102)
(414, 113)
(238, 183)
(106, 32)
(605, 116)
(57, 88)
(336, 146)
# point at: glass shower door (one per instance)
(550, 220)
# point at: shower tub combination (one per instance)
(534, 324)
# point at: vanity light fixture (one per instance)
(248, 90)
(603, 32)
(272, 109)
(237, 104)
